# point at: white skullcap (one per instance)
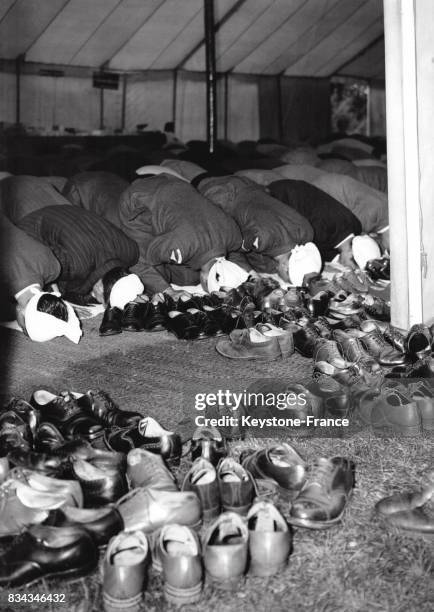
(159, 170)
(125, 290)
(364, 249)
(41, 326)
(224, 273)
(304, 259)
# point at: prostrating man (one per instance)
(97, 192)
(90, 250)
(270, 230)
(21, 195)
(26, 267)
(182, 237)
(334, 225)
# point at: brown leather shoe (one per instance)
(180, 554)
(251, 344)
(323, 498)
(202, 480)
(236, 486)
(225, 550)
(269, 539)
(125, 572)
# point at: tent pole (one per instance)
(279, 107)
(226, 77)
(174, 98)
(101, 109)
(18, 63)
(211, 98)
(124, 102)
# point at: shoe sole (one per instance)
(181, 597)
(257, 569)
(254, 358)
(230, 584)
(310, 524)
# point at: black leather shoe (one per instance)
(149, 435)
(280, 463)
(207, 325)
(209, 444)
(155, 319)
(322, 500)
(101, 523)
(232, 319)
(182, 325)
(100, 405)
(78, 448)
(48, 552)
(15, 433)
(305, 340)
(100, 485)
(316, 305)
(133, 316)
(193, 302)
(418, 342)
(64, 412)
(111, 322)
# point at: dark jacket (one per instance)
(332, 222)
(21, 195)
(86, 246)
(24, 261)
(177, 230)
(98, 192)
(268, 227)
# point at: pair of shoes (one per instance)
(322, 500)
(376, 308)
(281, 464)
(340, 309)
(408, 511)
(66, 414)
(265, 344)
(44, 552)
(144, 316)
(230, 486)
(422, 368)
(231, 541)
(375, 344)
(125, 570)
(208, 443)
(354, 352)
(149, 435)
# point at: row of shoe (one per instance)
(66, 424)
(260, 542)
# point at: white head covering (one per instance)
(304, 259)
(42, 326)
(125, 290)
(364, 249)
(224, 273)
(159, 170)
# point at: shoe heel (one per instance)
(388, 431)
(231, 584)
(181, 597)
(113, 604)
(257, 569)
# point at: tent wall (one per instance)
(377, 109)
(305, 108)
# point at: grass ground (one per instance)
(361, 565)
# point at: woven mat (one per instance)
(153, 373)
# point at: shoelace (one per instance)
(108, 404)
(332, 348)
(321, 474)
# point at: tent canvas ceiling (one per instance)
(312, 38)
